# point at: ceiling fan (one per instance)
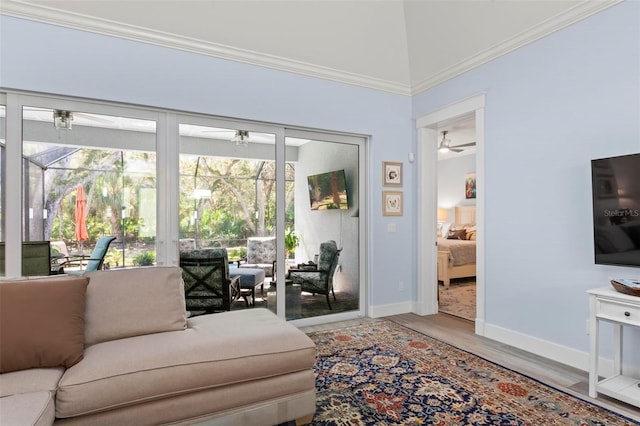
(240, 137)
(445, 144)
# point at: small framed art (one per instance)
(470, 186)
(391, 203)
(391, 173)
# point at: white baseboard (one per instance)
(390, 309)
(544, 348)
(553, 351)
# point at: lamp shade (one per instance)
(442, 215)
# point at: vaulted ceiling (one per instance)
(399, 46)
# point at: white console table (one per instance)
(607, 304)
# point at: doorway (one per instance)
(428, 128)
(456, 226)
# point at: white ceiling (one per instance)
(400, 46)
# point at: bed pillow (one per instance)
(470, 232)
(612, 239)
(633, 230)
(444, 230)
(457, 234)
(42, 323)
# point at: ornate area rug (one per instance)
(385, 374)
(459, 299)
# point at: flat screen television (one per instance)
(328, 191)
(616, 210)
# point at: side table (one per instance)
(606, 304)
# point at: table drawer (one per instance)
(620, 312)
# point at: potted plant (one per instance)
(291, 241)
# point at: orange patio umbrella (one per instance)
(81, 213)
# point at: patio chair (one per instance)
(61, 258)
(207, 285)
(261, 253)
(319, 281)
(96, 259)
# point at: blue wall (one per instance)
(107, 68)
(551, 107)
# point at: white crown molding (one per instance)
(551, 25)
(49, 15)
(106, 27)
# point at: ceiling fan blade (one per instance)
(455, 149)
(466, 144)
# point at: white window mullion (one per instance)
(280, 231)
(13, 193)
(167, 190)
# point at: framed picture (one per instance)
(391, 203)
(606, 186)
(470, 186)
(391, 174)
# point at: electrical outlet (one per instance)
(401, 286)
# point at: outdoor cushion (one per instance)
(42, 323)
(249, 277)
(216, 350)
(261, 253)
(131, 302)
(261, 250)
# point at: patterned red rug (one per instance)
(385, 374)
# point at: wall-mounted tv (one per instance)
(328, 191)
(616, 210)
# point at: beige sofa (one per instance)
(115, 348)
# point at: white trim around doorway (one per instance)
(426, 125)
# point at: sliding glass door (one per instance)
(282, 204)
(227, 207)
(324, 266)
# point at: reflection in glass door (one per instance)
(323, 274)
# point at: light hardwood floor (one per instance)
(459, 332)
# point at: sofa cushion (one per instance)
(42, 322)
(30, 380)
(131, 302)
(27, 409)
(216, 350)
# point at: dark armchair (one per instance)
(207, 285)
(319, 281)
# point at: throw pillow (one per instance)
(131, 302)
(457, 234)
(42, 323)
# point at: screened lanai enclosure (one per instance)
(223, 201)
(168, 184)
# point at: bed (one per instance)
(457, 257)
